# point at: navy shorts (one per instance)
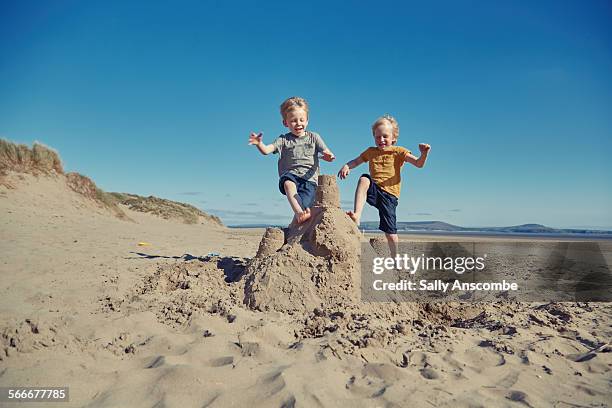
(305, 189)
(386, 203)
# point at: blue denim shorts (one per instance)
(306, 189)
(386, 203)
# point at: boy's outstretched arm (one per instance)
(346, 169)
(420, 161)
(256, 139)
(327, 155)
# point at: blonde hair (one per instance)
(292, 103)
(391, 120)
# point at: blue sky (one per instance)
(158, 98)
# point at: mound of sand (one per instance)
(307, 266)
(28, 335)
(313, 272)
(40, 160)
(200, 285)
(18, 160)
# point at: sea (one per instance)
(481, 234)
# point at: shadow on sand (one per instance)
(233, 267)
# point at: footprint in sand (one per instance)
(272, 383)
(221, 361)
(249, 349)
(429, 373)
(157, 362)
(518, 396)
(509, 380)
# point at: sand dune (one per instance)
(83, 305)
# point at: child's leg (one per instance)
(360, 199)
(392, 239)
(295, 202)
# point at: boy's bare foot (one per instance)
(354, 217)
(302, 217)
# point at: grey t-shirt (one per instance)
(299, 155)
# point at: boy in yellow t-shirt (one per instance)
(381, 188)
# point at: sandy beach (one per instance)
(142, 311)
(201, 202)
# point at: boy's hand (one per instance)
(344, 171)
(255, 139)
(328, 156)
(424, 147)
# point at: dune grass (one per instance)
(166, 209)
(86, 187)
(35, 160)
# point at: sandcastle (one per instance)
(307, 266)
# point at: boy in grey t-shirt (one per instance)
(298, 162)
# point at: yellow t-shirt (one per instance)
(385, 166)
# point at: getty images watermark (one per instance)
(487, 271)
(410, 264)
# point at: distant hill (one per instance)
(446, 227)
(416, 226)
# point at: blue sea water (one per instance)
(580, 236)
(482, 234)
